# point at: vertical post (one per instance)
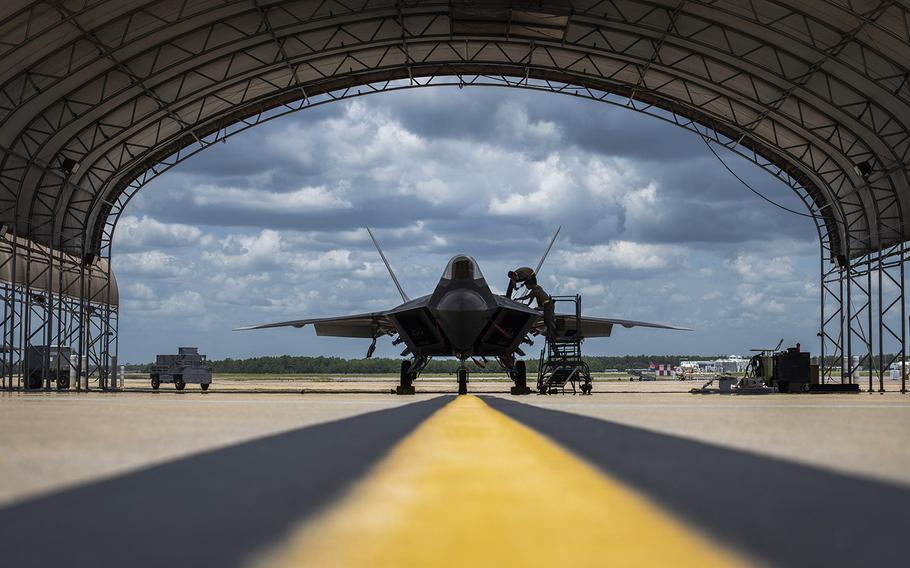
(848, 307)
(9, 309)
(881, 323)
(822, 286)
(869, 319)
(80, 328)
(843, 311)
(49, 306)
(903, 259)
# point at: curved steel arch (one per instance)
(680, 115)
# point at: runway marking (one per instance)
(385, 401)
(472, 487)
(569, 405)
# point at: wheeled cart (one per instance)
(187, 367)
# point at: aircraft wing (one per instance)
(599, 327)
(359, 325)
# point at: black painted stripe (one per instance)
(776, 511)
(216, 508)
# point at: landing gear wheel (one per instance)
(205, 386)
(586, 388)
(805, 387)
(156, 382)
(179, 384)
(462, 381)
(405, 385)
(520, 376)
(63, 383)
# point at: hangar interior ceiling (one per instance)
(99, 96)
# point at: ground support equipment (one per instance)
(561, 362)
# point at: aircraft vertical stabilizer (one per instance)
(385, 261)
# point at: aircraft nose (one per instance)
(461, 315)
(462, 300)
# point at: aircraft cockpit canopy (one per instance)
(462, 267)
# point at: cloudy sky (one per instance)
(268, 226)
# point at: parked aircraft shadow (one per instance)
(212, 509)
(776, 511)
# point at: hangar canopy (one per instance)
(94, 94)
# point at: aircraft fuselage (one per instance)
(462, 317)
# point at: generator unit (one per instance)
(47, 363)
(792, 370)
(187, 366)
(789, 370)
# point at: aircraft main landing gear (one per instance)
(406, 382)
(520, 378)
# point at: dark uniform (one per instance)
(518, 276)
(545, 303)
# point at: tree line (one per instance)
(287, 364)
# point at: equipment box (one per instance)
(792, 370)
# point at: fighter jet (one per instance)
(461, 318)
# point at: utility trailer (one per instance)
(48, 364)
(188, 366)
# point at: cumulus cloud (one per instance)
(139, 233)
(625, 255)
(764, 268)
(303, 200)
(152, 264)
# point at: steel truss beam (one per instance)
(864, 319)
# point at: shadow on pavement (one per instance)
(775, 511)
(212, 509)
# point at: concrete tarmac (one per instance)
(862, 434)
(213, 479)
(51, 441)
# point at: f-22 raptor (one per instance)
(462, 318)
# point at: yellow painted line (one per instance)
(472, 487)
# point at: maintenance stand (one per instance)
(560, 360)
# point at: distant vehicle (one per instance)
(462, 318)
(641, 374)
(188, 366)
(50, 363)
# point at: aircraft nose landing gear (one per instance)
(462, 377)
